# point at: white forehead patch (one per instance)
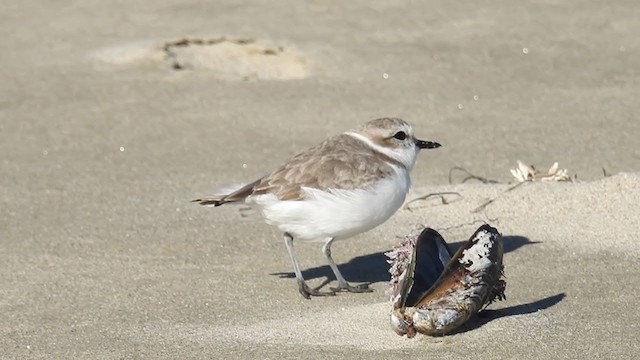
(403, 127)
(408, 128)
(476, 257)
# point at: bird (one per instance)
(348, 184)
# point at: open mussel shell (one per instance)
(434, 291)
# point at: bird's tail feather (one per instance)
(235, 196)
(211, 200)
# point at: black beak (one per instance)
(427, 144)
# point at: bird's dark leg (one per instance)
(343, 285)
(304, 289)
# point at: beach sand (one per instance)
(110, 123)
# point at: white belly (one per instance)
(336, 213)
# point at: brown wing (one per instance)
(340, 162)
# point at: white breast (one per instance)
(337, 213)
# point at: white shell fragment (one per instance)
(529, 173)
(434, 292)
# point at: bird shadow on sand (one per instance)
(486, 316)
(373, 268)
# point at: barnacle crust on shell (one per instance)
(399, 258)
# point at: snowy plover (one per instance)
(346, 185)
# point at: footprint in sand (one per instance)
(227, 58)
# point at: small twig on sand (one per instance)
(440, 194)
(488, 202)
(470, 176)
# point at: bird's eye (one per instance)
(400, 135)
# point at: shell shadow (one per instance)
(487, 315)
(373, 268)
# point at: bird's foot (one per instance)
(308, 292)
(350, 288)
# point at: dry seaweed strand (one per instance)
(425, 197)
(443, 199)
(488, 202)
(470, 176)
(470, 223)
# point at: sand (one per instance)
(110, 123)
